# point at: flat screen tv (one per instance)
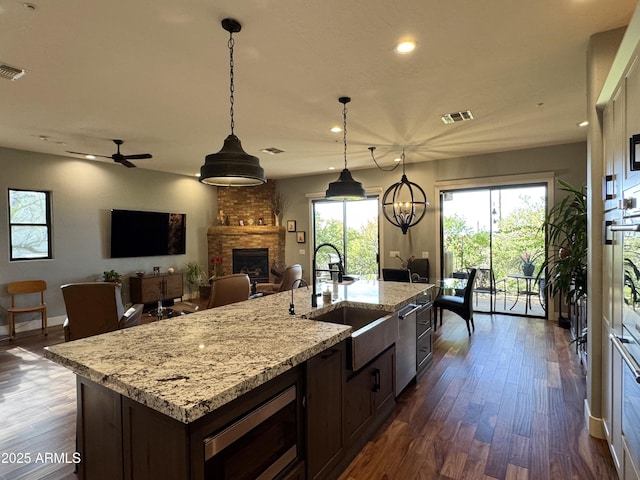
(144, 234)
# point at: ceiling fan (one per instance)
(118, 157)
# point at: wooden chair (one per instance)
(461, 306)
(229, 289)
(96, 307)
(26, 287)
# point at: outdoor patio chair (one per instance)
(486, 283)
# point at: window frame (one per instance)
(47, 224)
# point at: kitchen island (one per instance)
(198, 371)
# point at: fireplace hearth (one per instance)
(252, 261)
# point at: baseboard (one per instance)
(595, 425)
(36, 324)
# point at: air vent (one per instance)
(11, 73)
(457, 117)
(272, 150)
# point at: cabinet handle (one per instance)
(608, 181)
(628, 359)
(376, 379)
(606, 229)
(329, 354)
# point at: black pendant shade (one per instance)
(345, 188)
(232, 166)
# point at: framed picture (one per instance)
(634, 151)
(291, 225)
(300, 237)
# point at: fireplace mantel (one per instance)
(222, 240)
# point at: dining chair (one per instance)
(30, 289)
(229, 289)
(461, 306)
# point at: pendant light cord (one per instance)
(231, 86)
(344, 132)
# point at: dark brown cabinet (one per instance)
(151, 288)
(325, 394)
(369, 397)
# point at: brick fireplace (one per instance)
(222, 240)
(249, 206)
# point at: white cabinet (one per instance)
(631, 119)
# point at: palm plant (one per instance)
(565, 268)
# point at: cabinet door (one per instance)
(173, 286)
(152, 289)
(383, 370)
(325, 384)
(358, 407)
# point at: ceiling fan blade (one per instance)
(125, 162)
(138, 156)
(85, 154)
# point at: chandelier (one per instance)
(404, 203)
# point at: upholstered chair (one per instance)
(290, 275)
(94, 308)
(229, 289)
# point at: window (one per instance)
(352, 226)
(29, 224)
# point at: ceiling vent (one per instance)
(11, 73)
(272, 150)
(457, 117)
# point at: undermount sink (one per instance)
(373, 332)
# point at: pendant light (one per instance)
(404, 203)
(345, 188)
(231, 166)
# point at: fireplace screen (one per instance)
(252, 261)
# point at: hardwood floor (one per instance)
(506, 403)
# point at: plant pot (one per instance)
(528, 269)
(204, 291)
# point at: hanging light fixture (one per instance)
(231, 166)
(404, 203)
(345, 188)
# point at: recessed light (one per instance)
(90, 157)
(397, 160)
(404, 47)
(336, 129)
(198, 175)
(583, 124)
(332, 168)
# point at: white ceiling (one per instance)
(156, 74)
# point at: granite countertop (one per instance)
(188, 366)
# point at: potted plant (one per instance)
(194, 274)
(111, 276)
(565, 268)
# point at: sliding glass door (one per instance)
(497, 230)
(352, 227)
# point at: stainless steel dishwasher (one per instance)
(406, 346)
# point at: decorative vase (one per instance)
(528, 269)
(276, 220)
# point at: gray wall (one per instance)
(83, 193)
(567, 161)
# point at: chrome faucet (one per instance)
(300, 281)
(314, 299)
